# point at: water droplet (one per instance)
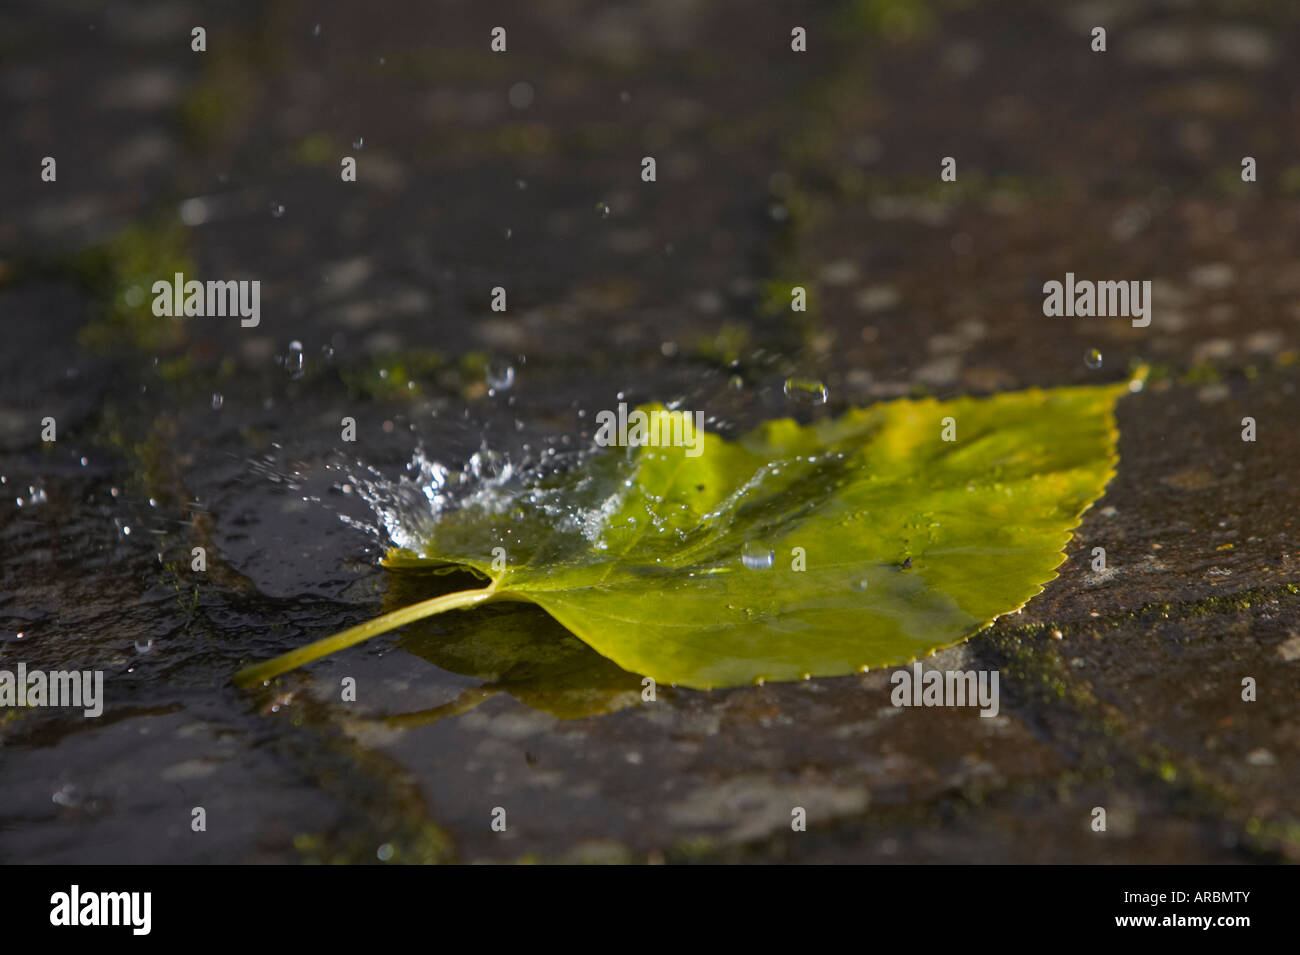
(500, 375)
(385, 852)
(737, 383)
(509, 232)
(520, 185)
(359, 143)
(217, 401)
(144, 646)
(315, 31)
(293, 362)
(277, 209)
(756, 556)
(521, 95)
(602, 210)
(805, 392)
(1093, 358)
(860, 585)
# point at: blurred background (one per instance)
(523, 170)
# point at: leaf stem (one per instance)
(259, 672)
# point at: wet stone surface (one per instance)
(1119, 687)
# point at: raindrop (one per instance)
(277, 209)
(737, 383)
(521, 95)
(217, 401)
(860, 585)
(520, 185)
(756, 557)
(500, 375)
(144, 646)
(359, 143)
(509, 232)
(602, 210)
(1093, 358)
(805, 391)
(315, 31)
(293, 362)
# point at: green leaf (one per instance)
(910, 542)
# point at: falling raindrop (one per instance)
(737, 383)
(801, 392)
(860, 585)
(359, 143)
(521, 95)
(277, 209)
(144, 646)
(500, 375)
(315, 31)
(1093, 358)
(755, 556)
(217, 401)
(293, 362)
(602, 210)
